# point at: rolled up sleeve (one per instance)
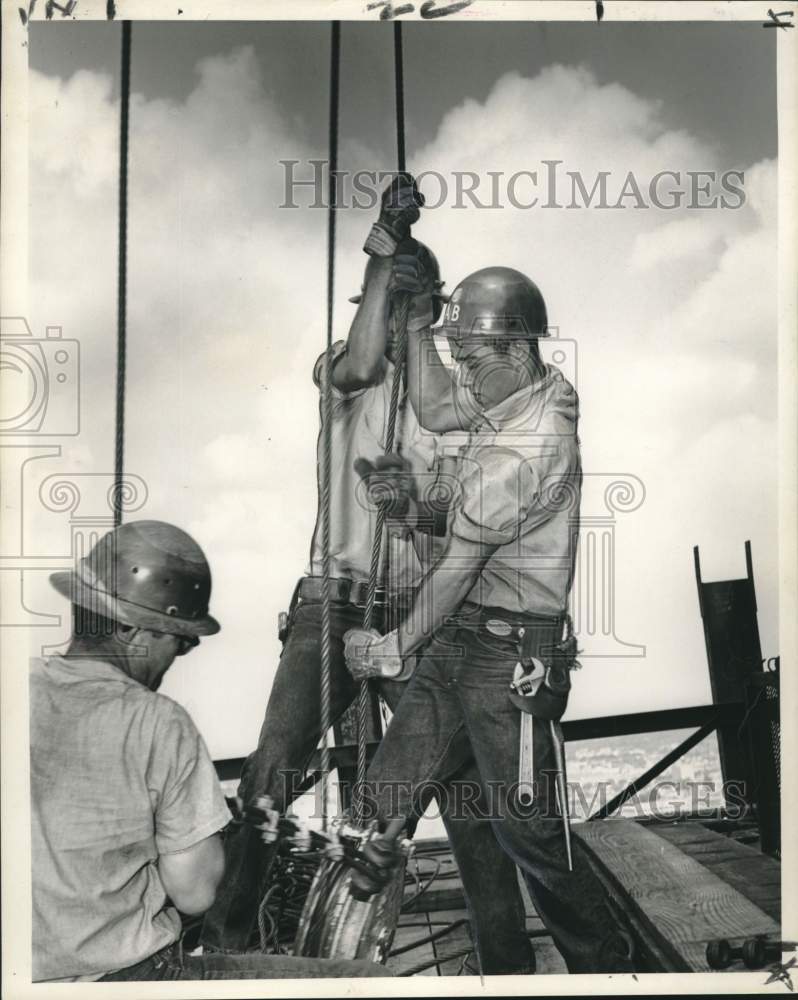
(499, 487)
(338, 350)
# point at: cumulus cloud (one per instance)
(671, 314)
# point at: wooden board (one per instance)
(677, 901)
(453, 943)
(753, 874)
(416, 956)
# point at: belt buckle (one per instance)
(498, 627)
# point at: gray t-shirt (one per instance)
(119, 776)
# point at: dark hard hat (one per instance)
(148, 574)
(496, 301)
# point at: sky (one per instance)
(669, 314)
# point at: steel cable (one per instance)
(335, 60)
(121, 292)
(401, 310)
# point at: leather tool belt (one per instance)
(342, 591)
(353, 592)
(548, 698)
(551, 660)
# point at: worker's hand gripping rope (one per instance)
(401, 202)
(389, 481)
(369, 654)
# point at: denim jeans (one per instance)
(289, 735)
(457, 705)
(171, 964)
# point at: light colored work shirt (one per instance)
(119, 776)
(359, 426)
(520, 479)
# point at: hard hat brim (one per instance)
(357, 299)
(70, 585)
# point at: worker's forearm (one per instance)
(429, 384)
(366, 343)
(443, 591)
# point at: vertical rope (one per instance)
(401, 310)
(121, 292)
(399, 81)
(335, 60)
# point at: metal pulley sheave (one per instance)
(334, 924)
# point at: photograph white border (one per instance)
(16, 905)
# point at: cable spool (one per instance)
(336, 925)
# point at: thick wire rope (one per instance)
(326, 397)
(121, 292)
(401, 310)
(399, 86)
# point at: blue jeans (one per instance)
(171, 964)
(456, 706)
(289, 735)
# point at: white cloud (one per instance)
(672, 312)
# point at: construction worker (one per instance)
(497, 597)
(362, 372)
(126, 807)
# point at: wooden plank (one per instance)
(456, 941)
(679, 902)
(753, 874)
(417, 956)
(445, 892)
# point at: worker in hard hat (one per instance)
(126, 807)
(496, 598)
(360, 383)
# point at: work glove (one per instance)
(415, 273)
(379, 859)
(263, 816)
(389, 483)
(401, 202)
(369, 654)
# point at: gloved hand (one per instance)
(369, 654)
(389, 481)
(409, 272)
(415, 272)
(263, 816)
(401, 202)
(380, 858)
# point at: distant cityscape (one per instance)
(600, 769)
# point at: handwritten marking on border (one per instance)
(428, 10)
(780, 972)
(774, 21)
